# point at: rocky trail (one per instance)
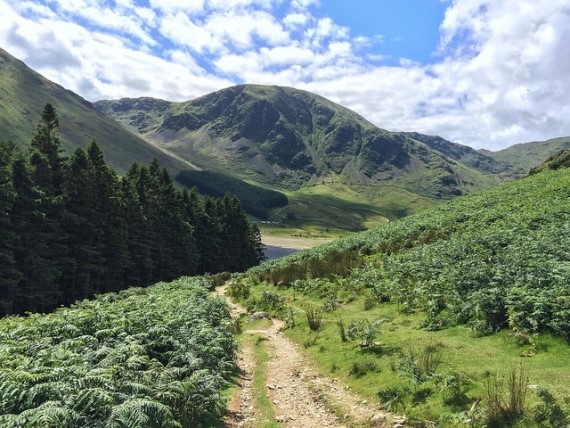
(301, 397)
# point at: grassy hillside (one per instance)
(523, 157)
(288, 138)
(558, 160)
(142, 357)
(446, 315)
(23, 94)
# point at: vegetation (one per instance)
(153, 357)
(70, 228)
(255, 200)
(410, 310)
(523, 157)
(558, 160)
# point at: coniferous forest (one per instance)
(71, 228)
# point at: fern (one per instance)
(141, 413)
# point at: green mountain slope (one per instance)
(558, 160)
(290, 138)
(522, 157)
(23, 94)
(480, 160)
(510, 242)
(433, 314)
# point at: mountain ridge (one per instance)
(336, 168)
(289, 137)
(23, 94)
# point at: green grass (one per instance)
(333, 206)
(481, 280)
(473, 359)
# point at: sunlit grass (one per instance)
(471, 359)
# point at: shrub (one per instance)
(239, 290)
(505, 398)
(314, 317)
(419, 367)
(548, 412)
(361, 368)
(391, 397)
(369, 301)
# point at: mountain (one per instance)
(522, 157)
(23, 94)
(558, 160)
(288, 138)
(480, 160)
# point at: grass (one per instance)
(468, 360)
(331, 210)
(332, 205)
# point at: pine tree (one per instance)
(46, 141)
(9, 273)
(110, 223)
(138, 270)
(238, 234)
(173, 251)
(208, 237)
(84, 237)
(30, 218)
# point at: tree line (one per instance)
(71, 228)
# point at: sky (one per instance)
(485, 73)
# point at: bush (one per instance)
(314, 318)
(239, 290)
(361, 368)
(549, 413)
(506, 397)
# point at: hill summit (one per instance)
(290, 138)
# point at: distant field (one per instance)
(335, 208)
(297, 243)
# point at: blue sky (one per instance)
(483, 73)
(406, 28)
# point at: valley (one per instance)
(412, 281)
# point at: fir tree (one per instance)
(110, 223)
(38, 289)
(9, 273)
(84, 238)
(46, 141)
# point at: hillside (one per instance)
(290, 138)
(558, 160)
(437, 313)
(521, 158)
(477, 159)
(23, 94)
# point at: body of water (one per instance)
(273, 252)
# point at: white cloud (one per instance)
(295, 20)
(501, 77)
(173, 6)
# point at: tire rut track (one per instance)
(301, 397)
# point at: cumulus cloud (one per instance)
(499, 77)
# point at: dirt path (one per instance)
(301, 396)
